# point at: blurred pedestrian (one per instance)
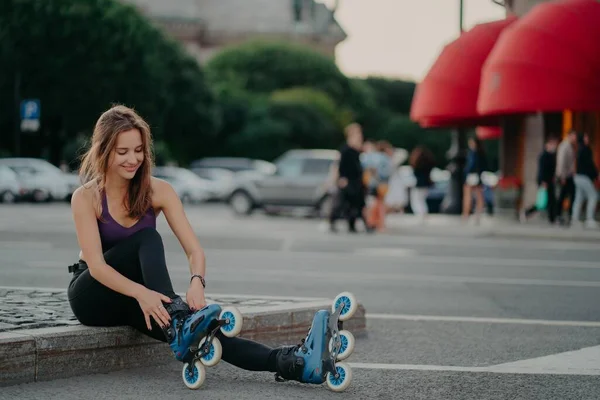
(565, 173)
(545, 180)
(422, 162)
(585, 179)
(473, 187)
(350, 200)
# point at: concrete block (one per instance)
(71, 351)
(17, 358)
(61, 352)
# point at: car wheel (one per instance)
(7, 197)
(241, 203)
(40, 196)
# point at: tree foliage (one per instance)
(263, 67)
(81, 56)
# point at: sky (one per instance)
(402, 38)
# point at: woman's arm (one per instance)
(168, 202)
(86, 226)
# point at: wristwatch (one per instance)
(201, 279)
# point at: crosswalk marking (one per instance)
(519, 321)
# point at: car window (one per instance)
(316, 166)
(290, 167)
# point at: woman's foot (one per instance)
(186, 327)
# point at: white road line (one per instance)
(493, 369)
(518, 321)
(446, 260)
(585, 361)
(587, 358)
(410, 256)
(387, 252)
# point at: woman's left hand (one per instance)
(195, 295)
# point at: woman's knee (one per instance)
(148, 235)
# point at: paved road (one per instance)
(459, 317)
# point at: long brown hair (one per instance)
(94, 164)
(421, 157)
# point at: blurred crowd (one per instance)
(566, 172)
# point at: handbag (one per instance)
(541, 202)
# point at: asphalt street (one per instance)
(449, 317)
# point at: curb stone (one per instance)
(31, 355)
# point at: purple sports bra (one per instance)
(111, 232)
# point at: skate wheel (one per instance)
(350, 305)
(234, 327)
(347, 345)
(213, 356)
(342, 381)
(195, 377)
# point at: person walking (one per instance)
(585, 178)
(546, 181)
(565, 173)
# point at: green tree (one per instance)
(264, 67)
(81, 56)
(392, 94)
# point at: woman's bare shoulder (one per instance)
(161, 193)
(85, 195)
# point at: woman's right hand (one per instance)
(152, 306)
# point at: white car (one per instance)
(221, 180)
(189, 187)
(10, 188)
(41, 180)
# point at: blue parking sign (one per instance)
(30, 109)
(30, 115)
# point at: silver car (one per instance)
(41, 180)
(300, 180)
(189, 187)
(10, 188)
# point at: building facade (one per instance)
(205, 27)
(523, 136)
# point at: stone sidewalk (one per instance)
(41, 340)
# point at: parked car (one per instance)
(40, 180)
(235, 164)
(222, 180)
(299, 181)
(10, 188)
(189, 187)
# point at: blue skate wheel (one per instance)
(213, 356)
(347, 343)
(341, 380)
(347, 302)
(193, 377)
(234, 319)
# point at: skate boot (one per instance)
(192, 337)
(186, 328)
(314, 359)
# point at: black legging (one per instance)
(141, 258)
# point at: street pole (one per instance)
(17, 112)
(461, 7)
(457, 153)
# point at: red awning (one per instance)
(488, 132)
(447, 96)
(547, 61)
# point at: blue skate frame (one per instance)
(315, 350)
(209, 315)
